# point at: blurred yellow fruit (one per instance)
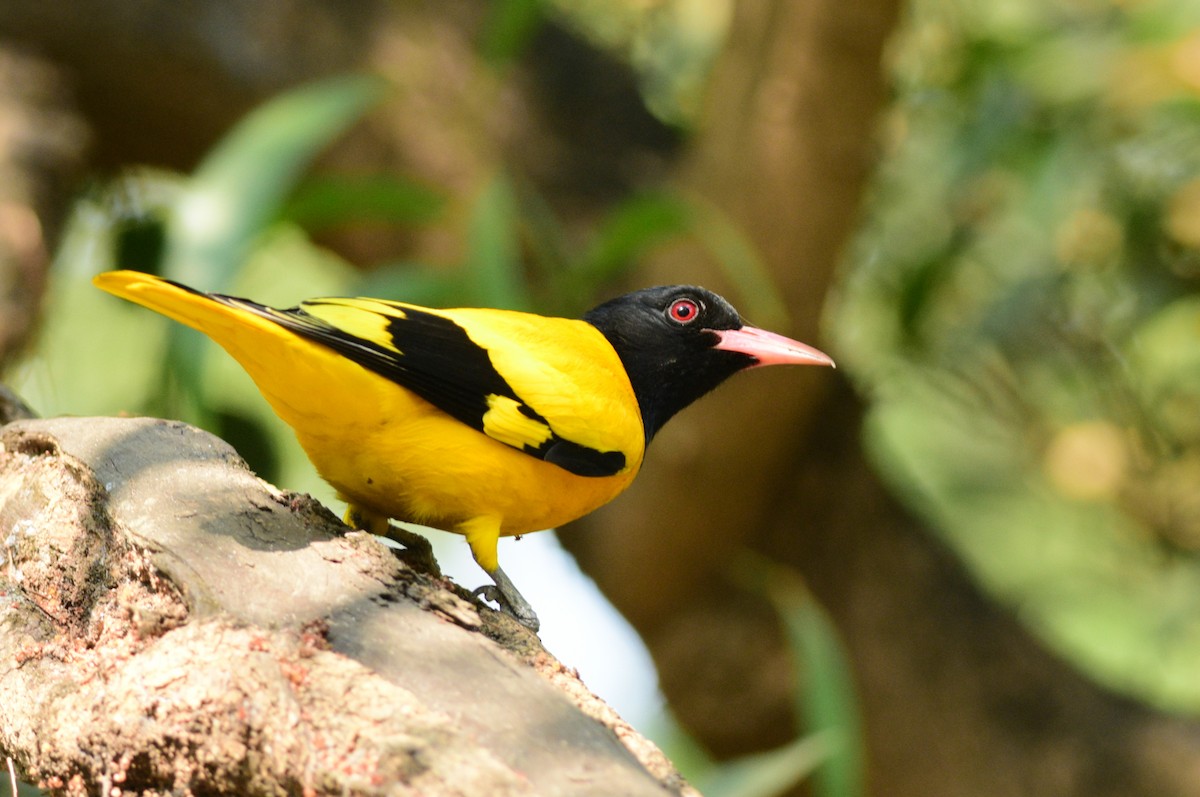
(1183, 214)
(1087, 461)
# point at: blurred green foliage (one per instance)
(828, 757)
(826, 704)
(670, 44)
(1021, 306)
(510, 26)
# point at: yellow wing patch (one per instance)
(504, 421)
(365, 319)
(566, 371)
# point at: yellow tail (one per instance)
(305, 382)
(229, 326)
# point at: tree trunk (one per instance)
(957, 698)
(784, 152)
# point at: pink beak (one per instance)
(770, 349)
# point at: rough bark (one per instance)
(171, 624)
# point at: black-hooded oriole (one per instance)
(484, 422)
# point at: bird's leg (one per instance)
(363, 519)
(483, 534)
(418, 551)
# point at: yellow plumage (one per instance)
(390, 453)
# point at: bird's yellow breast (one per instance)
(398, 455)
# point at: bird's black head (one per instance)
(678, 342)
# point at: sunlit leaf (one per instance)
(771, 773)
(241, 184)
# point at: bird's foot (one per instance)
(511, 601)
(418, 551)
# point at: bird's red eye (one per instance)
(683, 311)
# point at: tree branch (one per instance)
(170, 623)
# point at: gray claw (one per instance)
(511, 602)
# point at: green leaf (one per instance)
(240, 186)
(509, 27)
(826, 701)
(331, 201)
(771, 773)
(636, 226)
(415, 283)
(642, 223)
(493, 262)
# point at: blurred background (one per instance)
(966, 563)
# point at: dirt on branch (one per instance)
(171, 624)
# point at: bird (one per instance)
(478, 421)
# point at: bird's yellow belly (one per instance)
(435, 480)
(409, 461)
